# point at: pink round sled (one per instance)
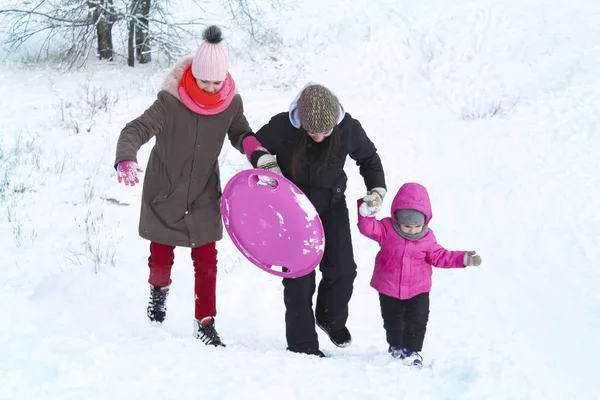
(275, 227)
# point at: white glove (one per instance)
(472, 259)
(367, 211)
(268, 162)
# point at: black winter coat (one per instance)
(324, 186)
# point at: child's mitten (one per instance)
(367, 211)
(472, 259)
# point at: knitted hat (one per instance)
(210, 62)
(318, 109)
(406, 216)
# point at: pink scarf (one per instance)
(202, 102)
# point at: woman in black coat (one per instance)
(308, 145)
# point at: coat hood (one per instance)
(171, 82)
(415, 197)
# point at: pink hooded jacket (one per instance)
(403, 267)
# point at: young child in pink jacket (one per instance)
(402, 274)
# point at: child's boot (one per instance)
(396, 352)
(412, 358)
(408, 357)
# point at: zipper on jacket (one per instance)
(402, 264)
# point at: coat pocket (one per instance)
(157, 182)
(162, 197)
(171, 208)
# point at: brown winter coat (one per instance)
(182, 188)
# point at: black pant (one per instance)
(335, 289)
(405, 321)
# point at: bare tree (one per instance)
(139, 33)
(82, 26)
(150, 22)
(247, 15)
(104, 15)
(69, 21)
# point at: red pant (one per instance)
(205, 274)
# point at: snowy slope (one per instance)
(493, 107)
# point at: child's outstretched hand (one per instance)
(472, 259)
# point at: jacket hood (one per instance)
(415, 197)
(295, 118)
(171, 81)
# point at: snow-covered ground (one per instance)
(493, 106)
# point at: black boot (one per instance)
(157, 305)
(317, 353)
(340, 337)
(205, 331)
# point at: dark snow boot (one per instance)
(341, 337)
(205, 331)
(317, 353)
(157, 305)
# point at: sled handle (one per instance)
(254, 181)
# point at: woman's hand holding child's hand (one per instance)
(372, 202)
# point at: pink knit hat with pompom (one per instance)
(211, 62)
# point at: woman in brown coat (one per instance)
(196, 108)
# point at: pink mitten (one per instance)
(251, 144)
(127, 172)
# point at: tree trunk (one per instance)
(103, 16)
(105, 45)
(142, 33)
(130, 44)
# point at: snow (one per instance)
(305, 205)
(281, 220)
(225, 214)
(493, 106)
